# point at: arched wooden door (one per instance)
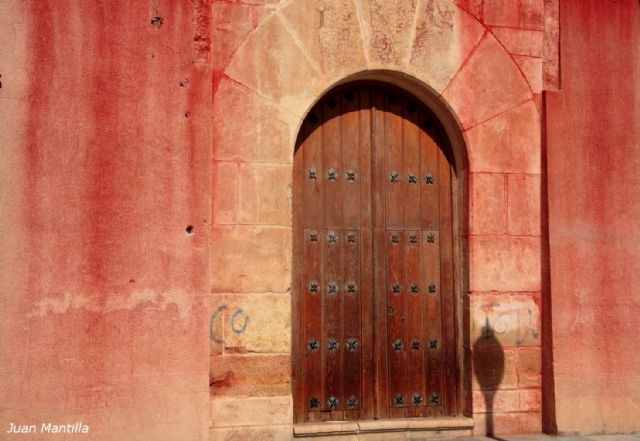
(373, 310)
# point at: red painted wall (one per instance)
(593, 150)
(104, 307)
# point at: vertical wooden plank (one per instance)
(446, 280)
(379, 238)
(311, 317)
(411, 165)
(366, 252)
(297, 283)
(396, 322)
(415, 300)
(311, 344)
(428, 175)
(332, 320)
(352, 339)
(351, 323)
(430, 200)
(331, 155)
(394, 188)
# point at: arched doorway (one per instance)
(373, 269)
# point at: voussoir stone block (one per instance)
(330, 30)
(520, 41)
(271, 62)
(250, 259)
(231, 23)
(504, 263)
(385, 28)
(508, 143)
(488, 84)
(444, 37)
(264, 133)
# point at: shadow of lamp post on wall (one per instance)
(488, 366)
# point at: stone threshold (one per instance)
(380, 426)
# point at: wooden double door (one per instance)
(373, 309)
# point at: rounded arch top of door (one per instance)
(374, 320)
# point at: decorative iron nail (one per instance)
(313, 345)
(395, 288)
(351, 287)
(432, 287)
(414, 288)
(332, 238)
(399, 400)
(433, 343)
(417, 399)
(352, 401)
(314, 402)
(332, 402)
(332, 344)
(395, 238)
(332, 175)
(397, 346)
(415, 344)
(435, 399)
(428, 179)
(351, 238)
(351, 175)
(313, 287)
(395, 177)
(313, 237)
(352, 345)
(412, 179)
(431, 238)
(312, 174)
(332, 288)
(413, 238)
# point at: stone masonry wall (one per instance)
(488, 61)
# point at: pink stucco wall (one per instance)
(593, 143)
(106, 160)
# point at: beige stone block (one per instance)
(330, 31)
(496, 401)
(524, 204)
(508, 423)
(250, 259)
(532, 14)
(386, 25)
(508, 319)
(251, 411)
(509, 143)
(281, 432)
(488, 203)
(501, 12)
(272, 63)
(530, 400)
(248, 127)
(530, 367)
(488, 84)
(265, 194)
(253, 375)
(444, 37)
(494, 369)
(532, 69)
(505, 263)
(225, 198)
(520, 41)
(256, 323)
